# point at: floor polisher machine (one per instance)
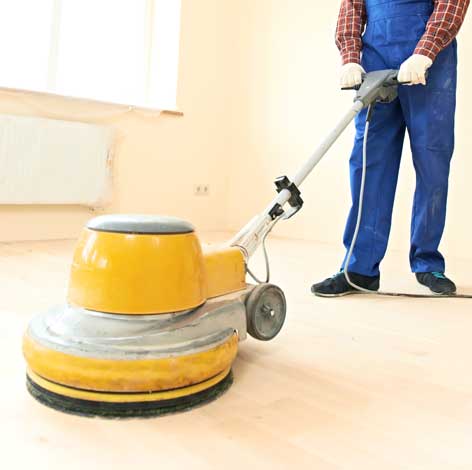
(153, 319)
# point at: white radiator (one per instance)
(46, 161)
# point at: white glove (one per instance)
(413, 70)
(351, 75)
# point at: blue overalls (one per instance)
(392, 33)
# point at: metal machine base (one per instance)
(97, 364)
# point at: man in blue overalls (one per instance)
(414, 36)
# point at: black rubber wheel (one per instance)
(266, 308)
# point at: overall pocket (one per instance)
(397, 30)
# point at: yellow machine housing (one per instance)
(149, 273)
(152, 323)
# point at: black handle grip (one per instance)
(395, 81)
(356, 88)
(391, 82)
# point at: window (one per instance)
(122, 51)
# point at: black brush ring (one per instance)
(90, 408)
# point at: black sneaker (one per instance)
(437, 282)
(337, 286)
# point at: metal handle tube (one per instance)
(249, 238)
(320, 152)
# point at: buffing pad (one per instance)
(124, 405)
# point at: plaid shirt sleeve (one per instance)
(442, 27)
(351, 23)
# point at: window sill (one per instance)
(17, 91)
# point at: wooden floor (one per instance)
(353, 383)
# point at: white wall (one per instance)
(291, 65)
(259, 89)
(158, 159)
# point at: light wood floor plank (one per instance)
(355, 383)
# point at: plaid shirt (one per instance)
(442, 28)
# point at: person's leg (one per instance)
(429, 113)
(384, 149)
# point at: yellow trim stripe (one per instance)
(125, 397)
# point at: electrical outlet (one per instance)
(201, 190)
